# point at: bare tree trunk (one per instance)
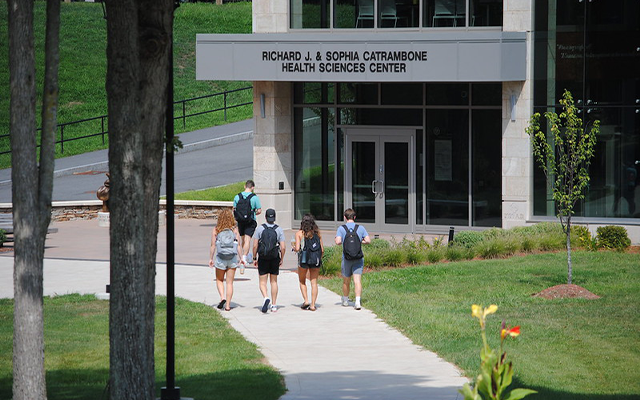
(569, 266)
(31, 190)
(139, 34)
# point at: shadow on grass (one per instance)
(260, 384)
(91, 384)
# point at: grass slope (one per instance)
(83, 65)
(569, 349)
(213, 361)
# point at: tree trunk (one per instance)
(569, 266)
(139, 34)
(31, 190)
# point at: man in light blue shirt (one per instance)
(247, 223)
(352, 264)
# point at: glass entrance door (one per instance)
(380, 179)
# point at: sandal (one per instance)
(305, 306)
(311, 308)
(227, 309)
(221, 304)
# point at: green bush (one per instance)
(552, 241)
(529, 244)
(393, 257)
(3, 237)
(377, 244)
(332, 260)
(415, 256)
(545, 227)
(511, 245)
(580, 237)
(468, 239)
(435, 255)
(374, 260)
(493, 248)
(455, 253)
(612, 237)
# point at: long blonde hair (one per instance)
(225, 220)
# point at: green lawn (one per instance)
(213, 361)
(83, 64)
(220, 193)
(569, 349)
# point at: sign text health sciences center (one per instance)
(410, 57)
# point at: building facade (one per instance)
(413, 112)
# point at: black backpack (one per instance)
(268, 244)
(313, 249)
(243, 211)
(352, 244)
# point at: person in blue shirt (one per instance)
(351, 268)
(247, 229)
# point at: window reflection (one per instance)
(368, 14)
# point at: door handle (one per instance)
(373, 186)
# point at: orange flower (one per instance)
(513, 332)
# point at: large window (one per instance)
(457, 172)
(384, 14)
(590, 48)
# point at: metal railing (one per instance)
(182, 105)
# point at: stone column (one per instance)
(517, 106)
(272, 135)
(272, 148)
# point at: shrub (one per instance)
(468, 239)
(377, 244)
(493, 248)
(613, 237)
(435, 255)
(332, 260)
(511, 245)
(552, 241)
(415, 257)
(455, 253)
(546, 227)
(393, 257)
(3, 237)
(374, 260)
(580, 236)
(529, 244)
(494, 233)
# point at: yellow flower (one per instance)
(490, 310)
(476, 311)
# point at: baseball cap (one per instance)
(270, 215)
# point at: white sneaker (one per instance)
(345, 301)
(274, 308)
(357, 306)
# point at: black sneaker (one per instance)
(265, 306)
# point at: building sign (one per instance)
(400, 57)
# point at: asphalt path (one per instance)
(211, 157)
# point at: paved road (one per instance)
(211, 157)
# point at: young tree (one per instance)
(139, 35)
(564, 152)
(32, 186)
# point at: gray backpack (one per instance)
(226, 245)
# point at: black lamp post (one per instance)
(170, 392)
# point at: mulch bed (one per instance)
(566, 292)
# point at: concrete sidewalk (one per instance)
(333, 353)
